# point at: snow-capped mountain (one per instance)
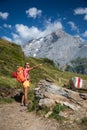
(57, 46)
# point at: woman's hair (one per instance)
(26, 64)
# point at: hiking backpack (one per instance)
(14, 74)
(20, 74)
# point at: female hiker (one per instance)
(26, 83)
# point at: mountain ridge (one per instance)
(58, 46)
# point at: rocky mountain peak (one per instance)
(58, 46)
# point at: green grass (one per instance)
(6, 100)
(84, 121)
(56, 110)
(11, 56)
(48, 70)
(32, 101)
(42, 111)
(9, 82)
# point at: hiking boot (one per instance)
(26, 105)
(22, 104)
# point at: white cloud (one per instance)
(33, 12)
(80, 11)
(49, 27)
(17, 39)
(4, 15)
(25, 33)
(85, 34)
(73, 26)
(85, 18)
(7, 38)
(7, 25)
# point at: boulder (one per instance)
(78, 83)
(49, 94)
(9, 92)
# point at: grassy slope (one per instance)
(11, 55)
(47, 70)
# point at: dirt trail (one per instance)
(15, 117)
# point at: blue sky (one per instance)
(23, 20)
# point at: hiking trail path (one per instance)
(16, 117)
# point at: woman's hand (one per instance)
(40, 64)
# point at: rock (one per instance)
(63, 114)
(49, 94)
(46, 102)
(48, 114)
(83, 95)
(78, 83)
(62, 100)
(9, 92)
(73, 107)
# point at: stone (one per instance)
(49, 94)
(73, 107)
(83, 95)
(46, 102)
(48, 114)
(78, 83)
(63, 114)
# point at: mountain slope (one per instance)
(57, 46)
(11, 55)
(82, 52)
(49, 71)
